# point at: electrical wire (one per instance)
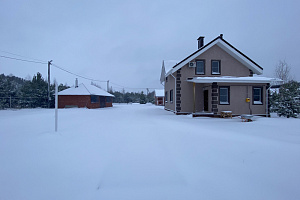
(76, 74)
(19, 59)
(23, 56)
(37, 61)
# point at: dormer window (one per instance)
(215, 67)
(200, 67)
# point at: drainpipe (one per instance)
(194, 104)
(267, 100)
(175, 92)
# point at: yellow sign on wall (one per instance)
(248, 100)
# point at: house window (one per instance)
(215, 67)
(171, 96)
(224, 95)
(166, 97)
(257, 95)
(166, 79)
(200, 67)
(94, 99)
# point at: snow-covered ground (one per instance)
(143, 152)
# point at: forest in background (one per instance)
(16, 92)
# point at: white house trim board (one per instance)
(239, 57)
(225, 79)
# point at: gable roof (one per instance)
(85, 90)
(227, 47)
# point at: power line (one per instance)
(22, 56)
(76, 74)
(19, 59)
(61, 68)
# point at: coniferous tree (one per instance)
(286, 103)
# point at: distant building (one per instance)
(159, 96)
(81, 96)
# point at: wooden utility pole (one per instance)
(49, 63)
(108, 86)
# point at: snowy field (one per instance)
(142, 152)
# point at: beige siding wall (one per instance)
(170, 85)
(238, 104)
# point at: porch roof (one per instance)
(232, 79)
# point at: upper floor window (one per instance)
(200, 67)
(224, 95)
(215, 67)
(257, 95)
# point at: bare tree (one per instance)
(282, 71)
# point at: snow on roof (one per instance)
(159, 92)
(85, 90)
(169, 64)
(233, 79)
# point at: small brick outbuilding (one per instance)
(159, 97)
(84, 96)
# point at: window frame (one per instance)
(202, 60)
(171, 96)
(166, 97)
(261, 95)
(228, 95)
(215, 73)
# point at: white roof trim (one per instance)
(227, 49)
(239, 57)
(231, 79)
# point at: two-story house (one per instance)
(216, 77)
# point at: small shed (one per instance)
(159, 95)
(81, 96)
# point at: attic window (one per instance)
(200, 67)
(215, 67)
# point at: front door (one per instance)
(205, 95)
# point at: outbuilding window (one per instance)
(215, 67)
(94, 99)
(200, 67)
(257, 95)
(224, 95)
(108, 99)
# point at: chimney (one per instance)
(76, 83)
(200, 42)
(221, 36)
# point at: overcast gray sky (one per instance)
(125, 41)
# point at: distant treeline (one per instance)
(133, 97)
(16, 92)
